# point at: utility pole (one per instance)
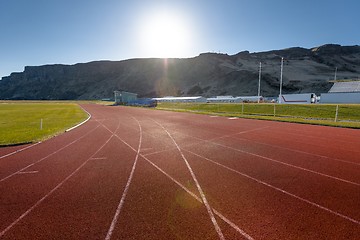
(259, 83)
(335, 74)
(281, 79)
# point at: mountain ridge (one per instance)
(209, 74)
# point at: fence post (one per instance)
(274, 109)
(41, 124)
(336, 113)
(242, 108)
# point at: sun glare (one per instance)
(164, 35)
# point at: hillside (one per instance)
(209, 74)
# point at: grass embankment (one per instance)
(321, 114)
(20, 122)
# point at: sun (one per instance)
(165, 35)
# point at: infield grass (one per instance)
(321, 114)
(20, 122)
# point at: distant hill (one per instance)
(209, 74)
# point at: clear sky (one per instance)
(38, 32)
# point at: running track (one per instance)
(132, 173)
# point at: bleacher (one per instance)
(346, 86)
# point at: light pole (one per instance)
(281, 79)
(335, 73)
(259, 83)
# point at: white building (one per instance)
(342, 92)
(224, 99)
(198, 99)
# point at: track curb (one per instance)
(78, 125)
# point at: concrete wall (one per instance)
(351, 97)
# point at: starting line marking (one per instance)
(99, 158)
(28, 172)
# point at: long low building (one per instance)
(181, 99)
(340, 97)
(231, 99)
(224, 99)
(343, 91)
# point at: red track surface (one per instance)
(132, 173)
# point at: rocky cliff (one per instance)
(209, 74)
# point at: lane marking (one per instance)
(233, 225)
(99, 158)
(277, 189)
(146, 149)
(238, 133)
(121, 203)
(279, 162)
(194, 144)
(232, 118)
(206, 203)
(2, 233)
(28, 172)
(335, 137)
(51, 154)
(78, 125)
(19, 150)
(298, 151)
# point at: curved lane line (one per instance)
(22, 149)
(277, 161)
(121, 203)
(3, 232)
(297, 151)
(42, 159)
(78, 125)
(206, 203)
(233, 225)
(19, 150)
(277, 189)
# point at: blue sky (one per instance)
(38, 32)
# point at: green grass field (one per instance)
(348, 115)
(20, 122)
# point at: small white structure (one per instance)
(300, 98)
(224, 99)
(122, 97)
(253, 99)
(181, 99)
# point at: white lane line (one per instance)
(279, 162)
(233, 118)
(233, 225)
(51, 154)
(211, 139)
(146, 149)
(19, 150)
(298, 151)
(28, 172)
(78, 125)
(277, 189)
(99, 158)
(206, 203)
(290, 165)
(238, 133)
(2, 233)
(121, 203)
